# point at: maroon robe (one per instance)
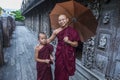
(43, 69)
(65, 57)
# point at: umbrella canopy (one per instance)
(81, 18)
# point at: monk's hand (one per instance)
(66, 39)
(51, 58)
(47, 61)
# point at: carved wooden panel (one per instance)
(117, 70)
(88, 53)
(102, 51)
(101, 63)
(103, 41)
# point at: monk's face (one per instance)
(42, 39)
(63, 20)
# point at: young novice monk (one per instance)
(43, 56)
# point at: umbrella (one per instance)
(81, 18)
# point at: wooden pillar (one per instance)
(1, 44)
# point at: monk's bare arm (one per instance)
(72, 43)
(52, 37)
(40, 60)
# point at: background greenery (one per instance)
(18, 16)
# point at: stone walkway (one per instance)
(19, 57)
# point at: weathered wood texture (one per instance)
(8, 27)
(1, 45)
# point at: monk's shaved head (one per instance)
(63, 20)
(62, 15)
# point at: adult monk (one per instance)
(68, 39)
